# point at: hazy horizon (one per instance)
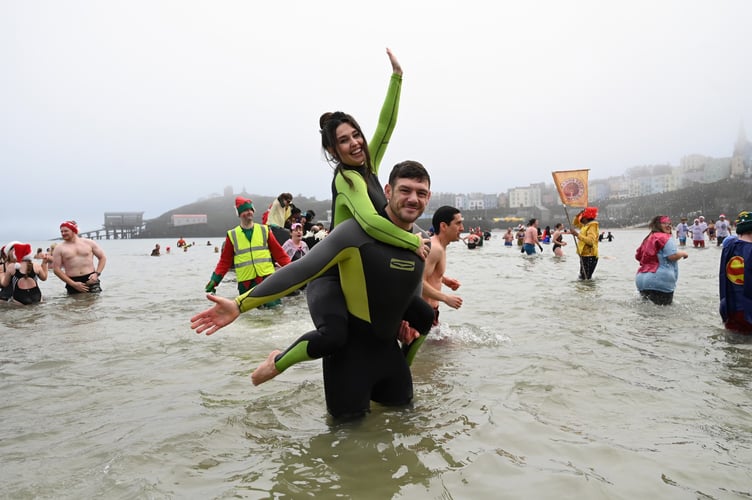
(146, 106)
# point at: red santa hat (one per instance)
(243, 204)
(22, 251)
(8, 247)
(70, 224)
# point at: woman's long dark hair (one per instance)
(655, 226)
(328, 124)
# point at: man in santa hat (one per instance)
(251, 249)
(73, 261)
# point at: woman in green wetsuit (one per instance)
(356, 194)
(381, 288)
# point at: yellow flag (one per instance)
(572, 186)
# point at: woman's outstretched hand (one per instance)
(396, 68)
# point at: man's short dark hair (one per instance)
(443, 214)
(409, 169)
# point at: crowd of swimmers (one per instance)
(78, 262)
(374, 283)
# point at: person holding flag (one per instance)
(587, 240)
(573, 191)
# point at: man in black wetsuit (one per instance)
(382, 286)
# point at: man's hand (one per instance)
(451, 283)
(424, 249)
(211, 287)
(453, 301)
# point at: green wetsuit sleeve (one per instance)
(289, 278)
(387, 121)
(354, 202)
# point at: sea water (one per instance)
(540, 386)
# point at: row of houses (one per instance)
(636, 181)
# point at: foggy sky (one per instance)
(149, 105)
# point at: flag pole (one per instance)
(577, 179)
(574, 237)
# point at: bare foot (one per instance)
(266, 370)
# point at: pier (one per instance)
(118, 226)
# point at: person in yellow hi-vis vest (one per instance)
(251, 249)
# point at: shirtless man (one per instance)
(447, 224)
(73, 261)
(531, 237)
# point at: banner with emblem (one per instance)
(572, 186)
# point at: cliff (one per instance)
(221, 216)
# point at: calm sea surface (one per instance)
(539, 387)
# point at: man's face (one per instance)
(407, 200)
(246, 217)
(455, 227)
(66, 233)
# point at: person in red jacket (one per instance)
(251, 249)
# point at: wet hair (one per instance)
(531, 222)
(409, 169)
(443, 214)
(328, 123)
(284, 197)
(655, 224)
(557, 226)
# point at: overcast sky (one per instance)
(149, 105)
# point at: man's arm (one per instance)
(225, 261)
(429, 291)
(101, 257)
(278, 253)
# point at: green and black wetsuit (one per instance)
(381, 285)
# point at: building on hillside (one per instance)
(441, 199)
(599, 190)
(179, 220)
(524, 197)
